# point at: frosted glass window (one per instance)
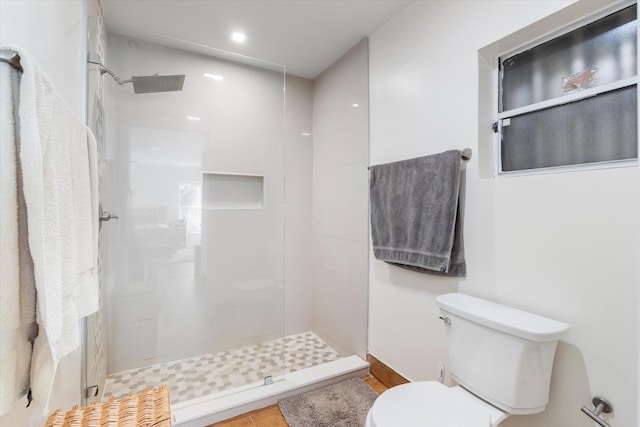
(233, 191)
(571, 100)
(598, 129)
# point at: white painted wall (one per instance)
(53, 32)
(340, 202)
(560, 245)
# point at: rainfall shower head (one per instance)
(143, 84)
(157, 83)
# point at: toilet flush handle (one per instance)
(446, 320)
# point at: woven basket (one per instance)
(149, 408)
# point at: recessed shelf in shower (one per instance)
(232, 191)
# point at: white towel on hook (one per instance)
(61, 218)
(17, 287)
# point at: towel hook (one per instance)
(601, 405)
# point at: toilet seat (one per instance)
(430, 403)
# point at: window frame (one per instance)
(558, 101)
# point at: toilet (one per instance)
(501, 358)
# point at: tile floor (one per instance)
(211, 373)
(271, 415)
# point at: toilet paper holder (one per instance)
(601, 405)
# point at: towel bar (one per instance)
(465, 155)
(601, 405)
(11, 57)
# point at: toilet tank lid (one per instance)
(503, 318)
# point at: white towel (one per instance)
(86, 298)
(61, 219)
(17, 287)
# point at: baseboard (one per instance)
(384, 374)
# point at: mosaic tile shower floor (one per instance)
(212, 373)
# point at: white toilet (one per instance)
(501, 357)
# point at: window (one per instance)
(572, 100)
(189, 209)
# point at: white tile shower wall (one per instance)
(52, 31)
(340, 203)
(561, 245)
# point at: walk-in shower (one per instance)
(193, 269)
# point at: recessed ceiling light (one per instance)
(238, 37)
(305, 134)
(216, 77)
(355, 105)
(193, 118)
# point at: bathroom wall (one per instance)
(340, 202)
(563, 245)
(52, 31)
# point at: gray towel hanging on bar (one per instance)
(415, 215)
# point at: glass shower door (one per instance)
(196, 259)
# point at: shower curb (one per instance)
(190, 414)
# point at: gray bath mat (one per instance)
(344, 404)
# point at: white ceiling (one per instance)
(306, 36)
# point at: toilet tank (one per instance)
(499, 353)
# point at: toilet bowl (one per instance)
(431, 404)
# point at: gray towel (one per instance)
(415, 221)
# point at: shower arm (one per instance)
(93, 58)
(118, 80)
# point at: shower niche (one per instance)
(232, 191)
